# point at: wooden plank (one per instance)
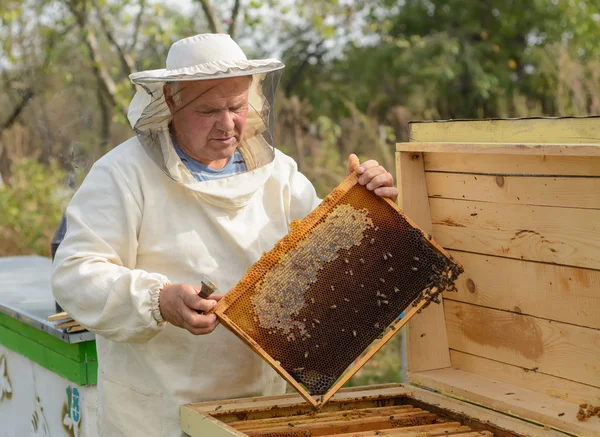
(387, 336)
(512, 399)
(320, 416)
(483, 417)
(413, 431)
(519, 190)
(199, 425)
(427, 343)
(564, 294)
(512, 165)
(565, 236)
(295, 421)
(345, 396)
(66, 324)
(536, 381)
(553, 348)
(525, 130)
(346, 426)
(517, 149)
(58, 316)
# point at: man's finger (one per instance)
(353, 163)
(216, 297)
(196, 320)
(192, 300)
(202, 331)
(367, 165)
(390, 192)
(370, 173)
(381, 180)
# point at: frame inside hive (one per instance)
(334, 287)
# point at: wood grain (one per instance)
(519, 190)
(346, 426)
(554, 348)
(525, 130)
(525, 378)
(436, 429)
(510, 399)
(371, 414)
(511, 165)
(517, 149)
(427, 343)
(564, 294)
(565, 236)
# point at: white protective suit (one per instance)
(133, 227)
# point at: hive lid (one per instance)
(334, 287)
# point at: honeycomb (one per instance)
(332, 286)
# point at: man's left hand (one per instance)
(374, 177)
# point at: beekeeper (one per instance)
(200, 190)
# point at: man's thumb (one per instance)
(353, 163)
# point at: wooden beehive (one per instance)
(517, 349)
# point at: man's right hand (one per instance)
(179, 305)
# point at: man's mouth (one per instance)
(225, 140)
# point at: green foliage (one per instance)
(31, 206)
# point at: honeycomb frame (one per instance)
(282, 317)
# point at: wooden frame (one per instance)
(213, 418)
(267, 261)
(455, 178)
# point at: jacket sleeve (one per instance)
(94, 277)
(303, 197)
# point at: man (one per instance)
(199, 191)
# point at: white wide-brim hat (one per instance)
(199, 57)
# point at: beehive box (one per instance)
(517, 349)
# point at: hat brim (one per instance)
(208, 71)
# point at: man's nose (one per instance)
(225, 121)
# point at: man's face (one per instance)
(209, 117)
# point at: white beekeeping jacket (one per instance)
(140, 221)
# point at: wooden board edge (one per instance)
(557, 149)
(511, 406)
(550, 385)
(484, 415)
(291, 400)
(196, 424)
(537, 129)
(424, 352)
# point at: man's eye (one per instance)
(206, 113)
(237, 108)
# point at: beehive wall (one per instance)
(526, 227)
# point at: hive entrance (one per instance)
(333, 285)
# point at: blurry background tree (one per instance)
(357, 72)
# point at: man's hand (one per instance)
(179, 304)
(374, 176)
